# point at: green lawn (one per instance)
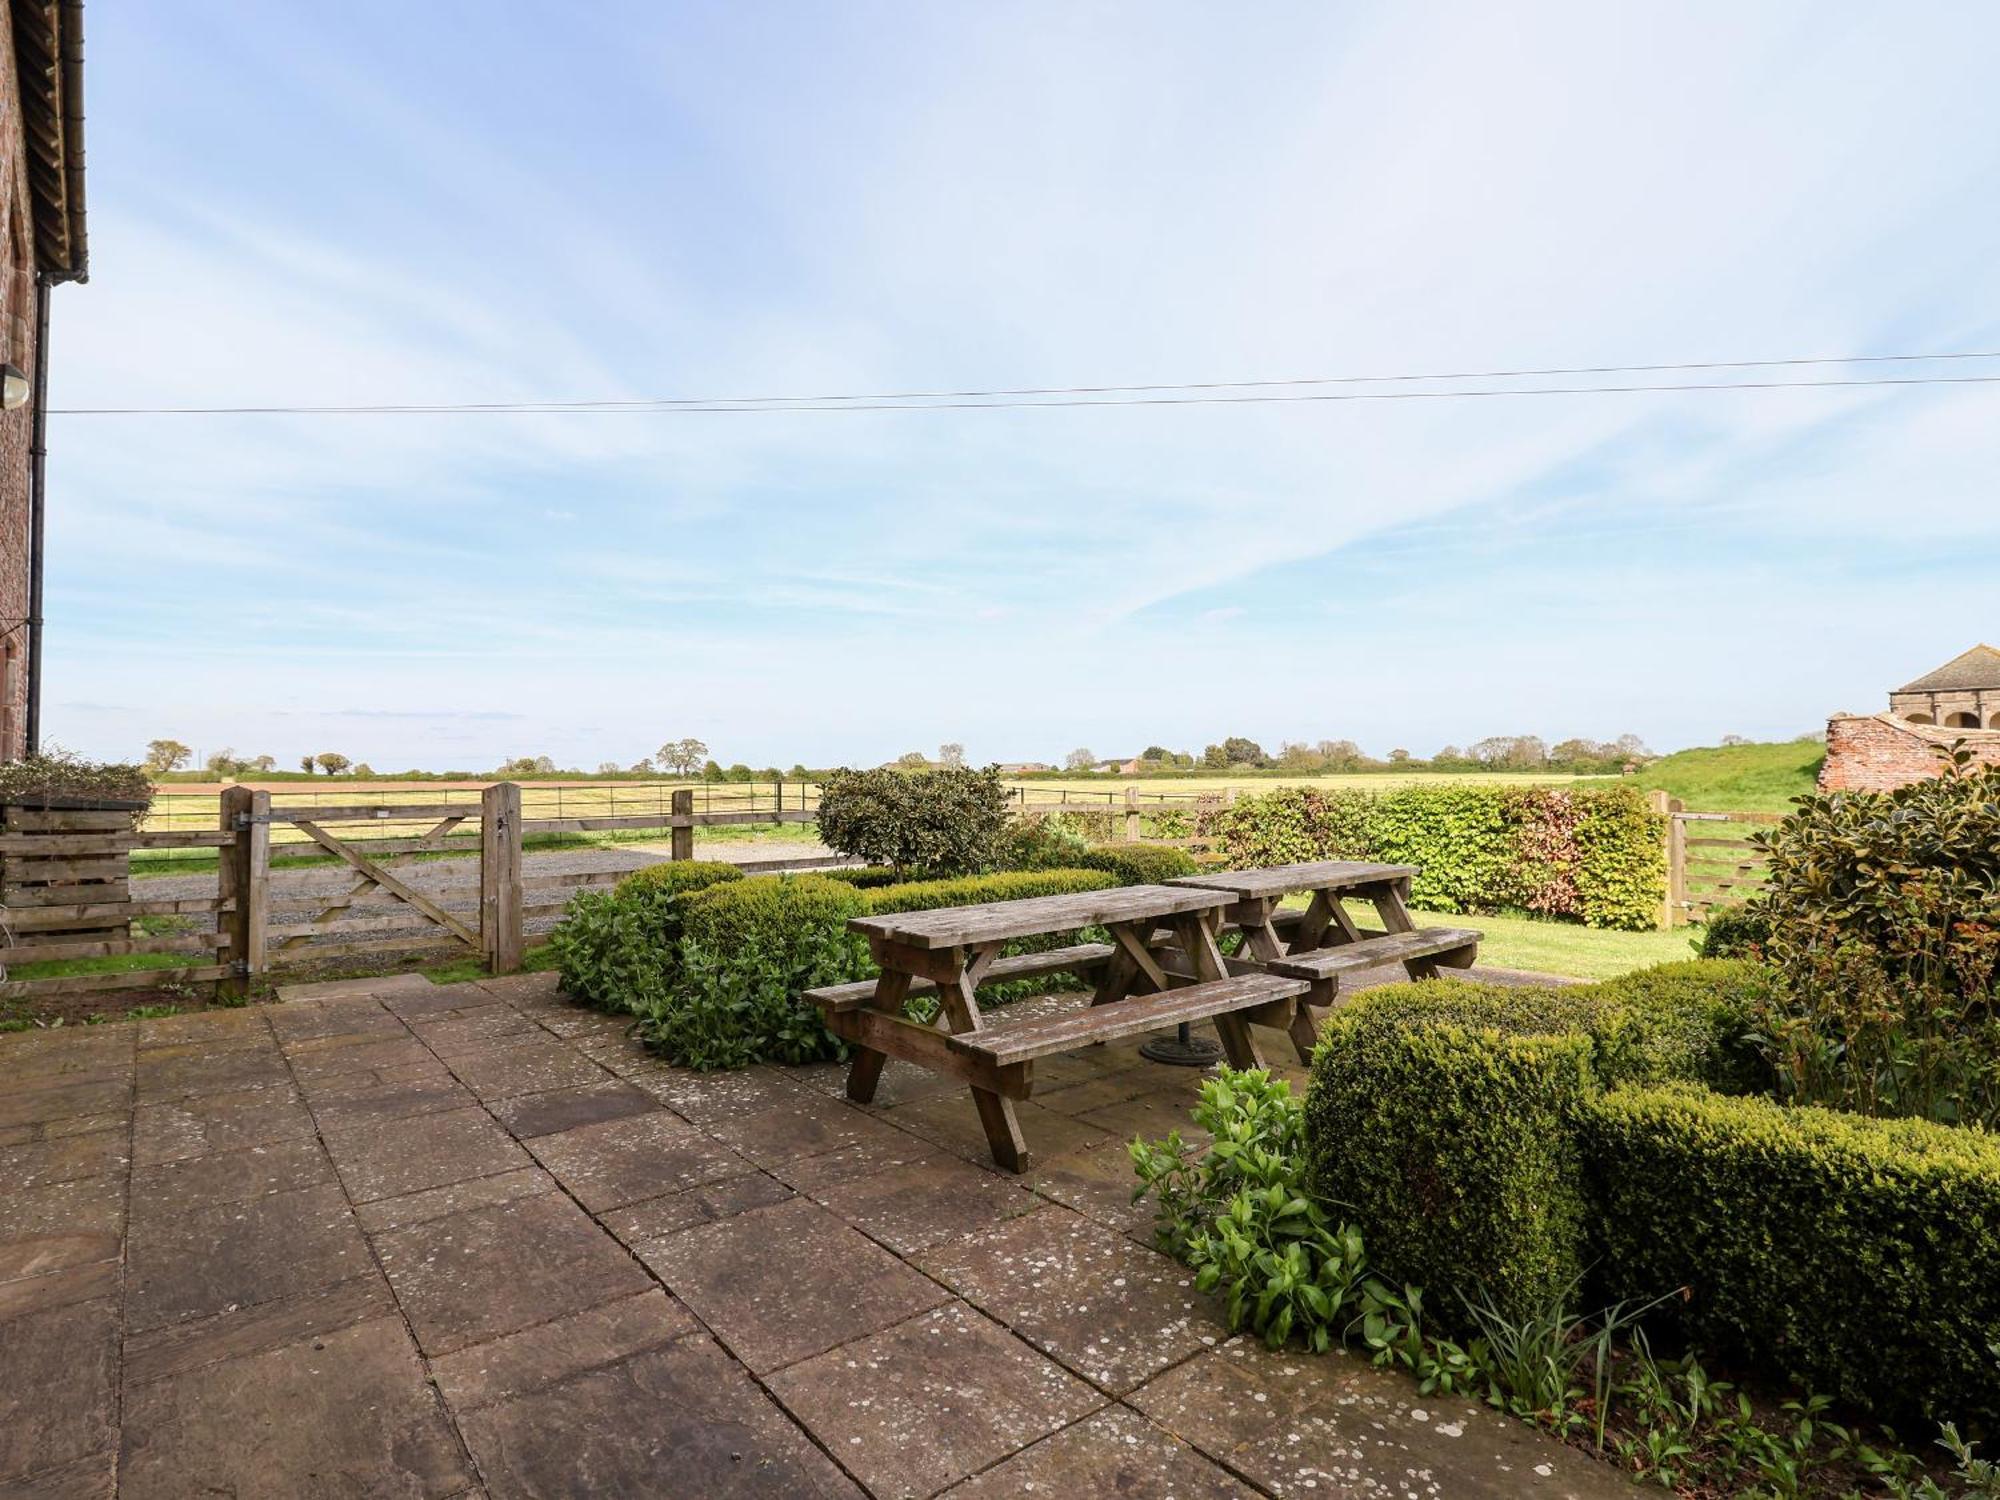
(1738, 778)
(1563, 947)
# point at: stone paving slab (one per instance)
(464, 1241)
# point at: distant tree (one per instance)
(166, 755)
(1735, 739)
(740, 772)
(306, 764)
(799, 773)
(332, 762)
(222, 763)
(264, 763)
(951, 755)
(913, 760)
(607, 768)
(682, 756)
(1215, 758)
(711, 771)
(1449, 755)
(641, 767)
(1341, 755)
(1238, 751)
(1631, 747)
(363, 771)
(1399, 757)
(1154, 754)
(1294, 756)
(1079, 759)
(1511, 752)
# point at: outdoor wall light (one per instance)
(14, 388)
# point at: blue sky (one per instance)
(464, 202)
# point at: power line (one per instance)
(1195, 393)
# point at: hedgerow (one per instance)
(619, 949)
(1855, 1253)
(1589, 854)
(1139, 864)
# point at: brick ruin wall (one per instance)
(1877, 752)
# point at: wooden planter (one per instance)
(69, 851)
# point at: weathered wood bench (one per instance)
(1161, 968)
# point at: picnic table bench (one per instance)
(1322, 942)
(1162, 967)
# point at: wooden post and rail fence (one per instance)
(65, 896)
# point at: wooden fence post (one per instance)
(683, 832)
(242, 876)
(500, 936)
(1672, 908)
(1131, 815)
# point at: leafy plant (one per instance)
(1038, 842)
(948, 820)
(619, 950)
(1237, 1212)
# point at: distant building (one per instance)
(1878, 752)
(1023, 767)
(41, 244)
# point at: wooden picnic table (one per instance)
(1161, 968)
(1323, 942)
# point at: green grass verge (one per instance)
(1563, 947)
(537, 960)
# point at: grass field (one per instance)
(1739, 778)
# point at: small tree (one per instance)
(332, 762)
(951, 755)
(265, 763)
(912, 760)
(306, 764)
(1079, 760)
(363, 771)
(166, 755)
(947, 821)
(1238, 751)
(222, 763)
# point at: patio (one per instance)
(391, 1238)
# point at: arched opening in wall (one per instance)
(1961, 720)
(1919, 718)
(1994, 722)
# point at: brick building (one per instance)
(41, 244)
(1958, 701)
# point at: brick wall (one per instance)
(1879, 752)
(17, 331)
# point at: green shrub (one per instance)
(749, 948)
(949, 820)
(1450, 1145)
(1733, 932)
(619, 949)
(1139, 864)
(58, 775)
(1883, 915)
(1591, 854)
(1857, 1254)
(1441, 1113)
(1700, 1018)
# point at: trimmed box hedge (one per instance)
(1441, 1116)
(1139, 864)
(1858, 1255)
(1592, 854)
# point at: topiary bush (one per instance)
(1450, 1145)
(1139, 864)
(1442, 1114)
(619, 949)
(976, 890)
(863, 877)
(748, 949)
(1852, 1253)
(948, 820)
